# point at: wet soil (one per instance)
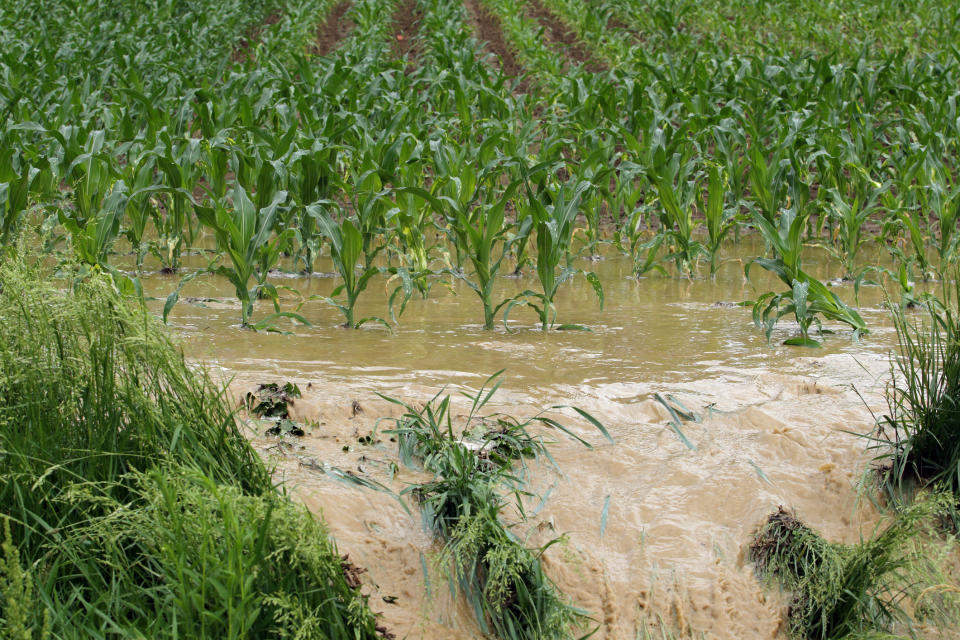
(563, 38)
(335, 29)
(486, 26)
(406, 24)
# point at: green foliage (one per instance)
(501, 578)
(347, 251)
(132, 504)
(554, 214)
(919, 436)
(845, 591)
(807, 297)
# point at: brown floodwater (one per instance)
(773, 429)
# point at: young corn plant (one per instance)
(806, 297)
(16, 185)
(944, 203)
(92, 237)
(173, 219)
(555, 225)
(848, 222)
(346, 250)
(484, 237)
(720, 220)
(315, 179)
(676, 195)
(246, 234)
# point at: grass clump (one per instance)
(863, 590)
(920, 434)
(501, 578)
(131, 504)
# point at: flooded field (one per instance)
(364, 207)
(774, 425)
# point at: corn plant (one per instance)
(484, 236)
(16, 185)
(848, 236)
(554, 232)
(93, 235)
(245, 234)
(944, 203)
(806, 297)
(676, 195)
(346, 250)
(719, 218)
(174, 221)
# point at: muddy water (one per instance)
(771, 431)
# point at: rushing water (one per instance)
(772, 430)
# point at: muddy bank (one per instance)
(334, 30)
(680, 515)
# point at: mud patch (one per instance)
(406, 23)
(335, 29)
(486, 26)
(563, 37)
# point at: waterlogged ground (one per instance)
(773, 430)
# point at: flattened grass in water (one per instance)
(132, 506)
(864, 590)
(501, 578)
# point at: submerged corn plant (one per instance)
(807, 297)
(473, 463)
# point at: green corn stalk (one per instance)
(676, 218)
(246, 234)
(817, 298)
(555, 228)
(93, 236)
(15, 190)
(719, 220)
(485, 238)
(346, 250)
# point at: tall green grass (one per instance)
(132, 506)
(919, 436)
